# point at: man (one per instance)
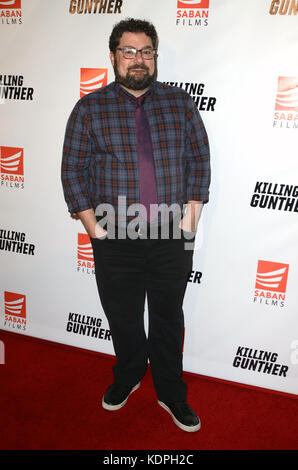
(144, 143)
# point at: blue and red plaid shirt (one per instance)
(100, 161)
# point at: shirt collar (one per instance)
(125, 94)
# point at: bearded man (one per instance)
(142, 142)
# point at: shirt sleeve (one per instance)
(197, 156)
(76, 161)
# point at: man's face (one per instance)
(136, 73)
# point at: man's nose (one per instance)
(139, 58)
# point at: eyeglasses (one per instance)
(131, 52)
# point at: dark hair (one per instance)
(132, 25)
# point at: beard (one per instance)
(135, 81)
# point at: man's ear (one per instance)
(112, 58)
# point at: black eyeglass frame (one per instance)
(122, 49)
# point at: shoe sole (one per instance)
(108, 407)
(180, 425)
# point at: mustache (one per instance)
(137, 67)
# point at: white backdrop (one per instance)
(242, 59)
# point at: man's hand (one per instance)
(89, 221)
(192, 215)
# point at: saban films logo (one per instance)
(12, 167)
(92, 79)
(15, 311)
(192, 13)
(271, 283)
(85, 260)
(286, 103)
(10, 12)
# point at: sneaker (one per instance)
(183, 415)
(116, 396)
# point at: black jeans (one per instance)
(126, 270)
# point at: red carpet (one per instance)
(50, 398)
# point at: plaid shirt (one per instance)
(99, 154)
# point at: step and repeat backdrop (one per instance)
(238, 61)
